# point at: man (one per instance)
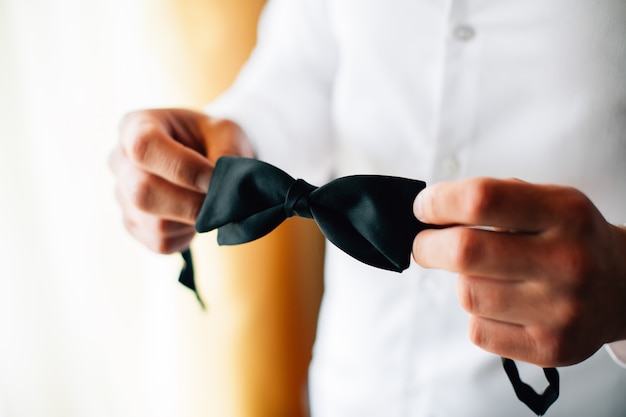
(464, 95)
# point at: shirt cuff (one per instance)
(617, 351)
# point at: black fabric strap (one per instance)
(370, 217)
(187, 275)
(539, 403)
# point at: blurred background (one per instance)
(91, 323)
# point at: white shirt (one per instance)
(437, 90)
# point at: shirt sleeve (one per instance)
(617, 351)
(282, 96)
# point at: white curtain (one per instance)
(90, 322)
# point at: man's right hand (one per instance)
(163, 164)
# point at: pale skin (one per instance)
(543, 277)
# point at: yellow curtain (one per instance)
(263, 297)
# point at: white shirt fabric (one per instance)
(437, 90)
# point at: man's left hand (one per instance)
(541, 272)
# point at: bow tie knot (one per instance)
(297, 199)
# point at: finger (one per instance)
(536, 345)
(503, 339)
(159, 235)
(158, 226)
(473, 251)
(153, 195)
(514, 302)
(146, 142)
(158, 243)
(508, 204)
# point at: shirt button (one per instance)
(464, 32)
(450, 166)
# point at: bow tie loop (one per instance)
(297, 199)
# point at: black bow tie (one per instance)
(248, 198)
(370, 217)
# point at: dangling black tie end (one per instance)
(538, 403)
(187, 275)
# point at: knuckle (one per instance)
(468, 249)
(142, 194)
(575, 263)
(574, 199)
(481, 198)
(223, 128)
(139, 146)
(155, 241)
(465, 294)
(566, 315)
(552, 349)
(163, 246)
(476, 333)
(167, 246)
(559, 346)
(579, 213)
(162, 227)
(180, 172)
(137, 131)
(225, 137)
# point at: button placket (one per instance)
(458, 94)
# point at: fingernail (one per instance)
(203, 180)
(417, 206)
